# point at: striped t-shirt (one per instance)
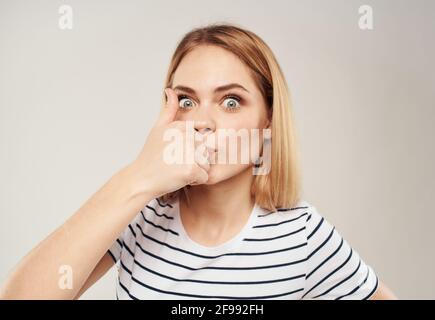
(292, 253)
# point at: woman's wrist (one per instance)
(133, 185)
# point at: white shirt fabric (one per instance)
(293, 253)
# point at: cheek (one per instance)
(240, 121)
(248, 125)
(183, 116)
(221, 172)
(245, 126)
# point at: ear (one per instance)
(267, 123)
(268, 119)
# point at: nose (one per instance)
(203, 130)
(205, 113)
(206, 127)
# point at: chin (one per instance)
(222, 172)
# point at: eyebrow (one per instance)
(216, 90)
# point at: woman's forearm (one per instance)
(78, 244)
(383, 293)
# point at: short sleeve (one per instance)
(335, 271)
(115, 250)
(125, 239)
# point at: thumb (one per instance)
(171, 108)
(200, 176)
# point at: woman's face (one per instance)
(196, 80)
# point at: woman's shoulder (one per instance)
(302, 210)
(161, 208)
(310, 213)
(315, 222)
(302, 215)
(335, 269)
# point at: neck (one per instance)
(220, 207)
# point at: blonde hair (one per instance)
(281, 187)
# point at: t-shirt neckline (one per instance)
(221, 247)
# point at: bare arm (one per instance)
(80, 244)
(100, 270)
(383, 293)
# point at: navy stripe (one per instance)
(119, 242)
(317, 228)
(128, 250)
(132, 231)
(322, 244)
(164, 204)
(111, 254)
(374, 289)
(356, 288)
(201, 296)
(309, 217)
(218, 268)
(158, 214)
(126, 290)
(281, 210)
(125, 268)
(212, 268)
(294, 208)
(220, 255)
(341, 282)
(119, 279)
(330, 274)
(276, 224)
(277, 237)
(216, 282)
(327, 259)
(157, 226)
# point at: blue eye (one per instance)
(186, 104)
(233, 103)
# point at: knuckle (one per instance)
(191, 170)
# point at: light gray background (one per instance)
(76, 105)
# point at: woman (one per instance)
(206, 229)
